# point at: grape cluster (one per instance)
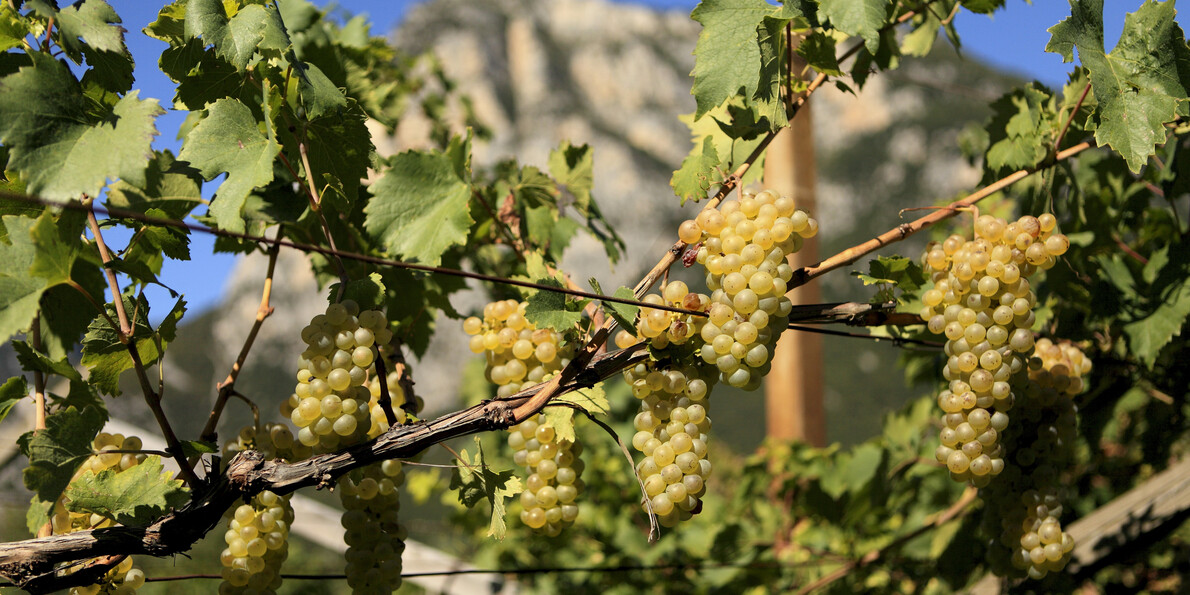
(374, 538)
(257, 535)
(982, 301)
(396, 395)
(744, 248)
(329, 404)
(672, 431)
(519, 354)
(549, 501)
(663, 328)
(123, 579)
(1028, 530)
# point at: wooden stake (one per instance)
(793, 389)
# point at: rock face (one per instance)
(616, 76)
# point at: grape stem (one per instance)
(124, 332)
(805, 274)
(39, 403)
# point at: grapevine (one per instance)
(983, 302)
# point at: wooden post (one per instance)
(793, 389)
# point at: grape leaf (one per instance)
(1020, 128)
(13, 28)
(368, 292)
(864, 18)
(319, 95)
(624, 314)
(340, 149)
(229, 141)
(553, 309)
(573, 167)
(95, 24)
(72, 310)
(56, 248)
(13, 391)
(475, 481)
(65, 144)
(106, 357)
(419, 206)
(693, 180)
(818, 49)
(772, 43)
(20, 292)
(1141, 85)
(56, 451)
(237, 39)
(592, 400)
(1147, 336)
(727, 57)
(133, 497)
(34, 361)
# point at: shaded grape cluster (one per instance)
(1029, 540)
(123, 579)
(375, 538)
(744, 247)
(257, 535)
(549, 502)
(983, 303)
(672, 431)
(518, 354)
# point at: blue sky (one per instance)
(1012, 39)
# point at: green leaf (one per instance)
(133, 497)
(895, 271)
(624, 314)
(64, 144)
(20, 292)
(727, 57)
(855, 470)
(693, 180)
(864, 18)
(592, 400)
(319, 95)
(13, 391)
(419, 207)
(194, 448)
(95, 24)
(106, 357)
(553, 309)
(56, 251)
(237, 39)
(340, 149)
(818, 49)
(771, 40)
(573, 167)
(1020, 128)
(35, 361)
(229, 141)
(368, 292)
(56, 451)
(475, 481)
(1147, 336)
(13, 28)
(1141, 85)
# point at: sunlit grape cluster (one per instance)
(400, 404)
(549, 501)
(257, 535)
(672, 430)
(519, 354)
(663, 328)
(983, 303)
(744, 246)
(375, 539)
(330, 401)
(123, 579)
(1027, 499)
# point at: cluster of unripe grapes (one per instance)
(1030, 539)
(983, 303)
(257, 535)
(744, 246)
(330, 401)
(672, 430)
(518, 354)
(123, 579)
(549, 501)
(375, 539)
